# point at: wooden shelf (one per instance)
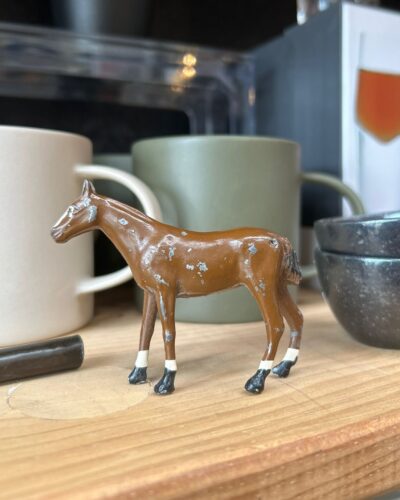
(331, 430)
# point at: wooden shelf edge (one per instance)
(291, 470)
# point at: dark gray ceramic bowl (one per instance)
(364, 295)
(367, 235)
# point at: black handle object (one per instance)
(41, 358)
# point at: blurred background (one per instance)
(236, 25)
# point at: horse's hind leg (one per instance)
(139, 373)
(268, 303)
(294, 318)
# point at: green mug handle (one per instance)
(356, 205)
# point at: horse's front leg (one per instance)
(166, 310)
(139, 373)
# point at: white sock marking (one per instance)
(142, 359)
(265, 365)
(170, 364)
(291, 354)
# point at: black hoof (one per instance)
(166, 384)
(138, 375)
(255, 384)
(282, 369)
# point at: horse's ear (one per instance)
(87, 188)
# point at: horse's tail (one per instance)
(291, 266)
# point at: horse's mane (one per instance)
(137, 214)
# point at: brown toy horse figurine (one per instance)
(168, 262)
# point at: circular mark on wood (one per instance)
(5, 392)
(82, 393)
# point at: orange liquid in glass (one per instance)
(378, 103)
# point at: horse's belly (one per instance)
(186, 294)
(206, 280)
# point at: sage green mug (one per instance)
(207, 183)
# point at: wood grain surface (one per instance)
(331, 430)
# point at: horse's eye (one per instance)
(71, 210)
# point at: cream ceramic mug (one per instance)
(47, 289)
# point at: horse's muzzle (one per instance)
(56, 234)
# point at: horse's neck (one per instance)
(118, 220)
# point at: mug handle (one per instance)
(151, 207)
(356, 205)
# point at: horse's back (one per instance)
(240, 233)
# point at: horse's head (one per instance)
(78, 218)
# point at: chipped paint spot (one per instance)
(273, 243)
(246, 261)
(261, 284)
(160, 280)
(123, 221)
(260, 287)
(189, 249)
(168, 336)
(171, 253)
(190, 267)
(202, 281)
(129, 249)
(184, 233)
(249, 273)
(252, 249)
(163, 251)
(92, 213)
(162, 307)
(202, 267)
(131, 232)
(235, 243)
(149, 255)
